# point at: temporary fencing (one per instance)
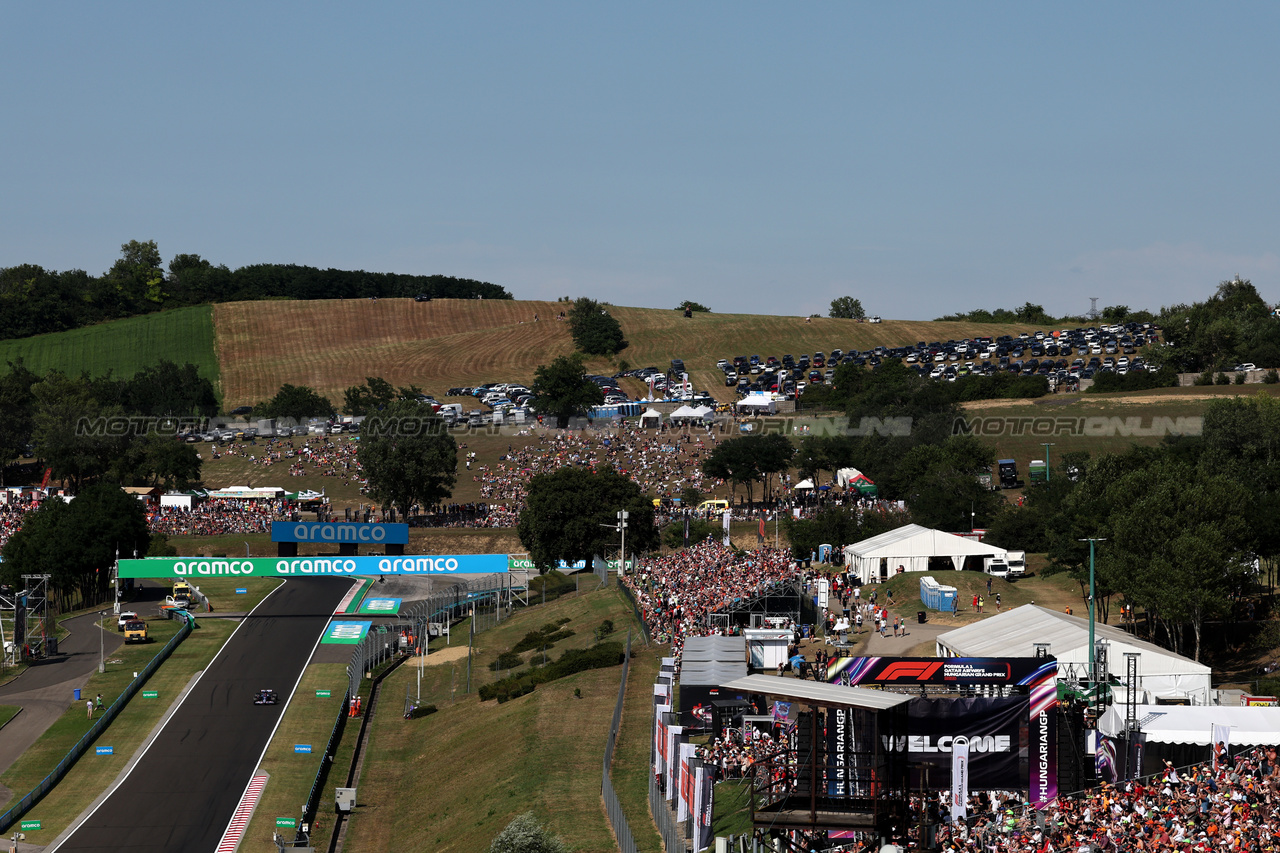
(617, 819)
(100, 725)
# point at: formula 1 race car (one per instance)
(265, 697)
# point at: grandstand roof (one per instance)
(817, 692)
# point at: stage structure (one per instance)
(1006, 708)
(848, 780)
(777, 601)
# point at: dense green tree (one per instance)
(408, 456)
(167, 389)
(695, 307)
(571, 513)
(298, 402)
(17, 404)
(595, 331)
(562, 390)
(749, 459)
(847, 308)
(136, 278)
(77, 437)
(76, 543)
(376, 393)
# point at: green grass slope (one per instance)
(122, 347)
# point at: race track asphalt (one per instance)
(182, 792)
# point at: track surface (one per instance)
(182, 793)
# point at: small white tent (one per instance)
(845, 476)
(803, 484)
(650, 418)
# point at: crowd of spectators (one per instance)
(12, 516)
(317, 455)
(219, 516)
(1235, 808)
(677, 593)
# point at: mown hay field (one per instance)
(331, 345)
(123, 347)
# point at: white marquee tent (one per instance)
(1194, 724)
(912, 547)
(1015, 633)
(691, 413)
(650, 418)
(757, 403)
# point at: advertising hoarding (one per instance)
(276, 567)
(333, 532)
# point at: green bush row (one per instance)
(573, 660)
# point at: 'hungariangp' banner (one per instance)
(216, 567)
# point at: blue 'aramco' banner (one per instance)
(340, 531)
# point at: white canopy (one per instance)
(651, 417)
(1161, 673)
(911, 547)
(1194, 723)
(758, 402)
(248, 492)
(804, 484)
(845, 476)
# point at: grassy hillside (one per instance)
(1094, 423)
(452, 780)
(122, 347)
(331, 345)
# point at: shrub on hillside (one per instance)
(571, 661)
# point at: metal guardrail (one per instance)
(613, 808)
(47, 784)
(312, 804)
(488, 598)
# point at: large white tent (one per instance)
(912, 547)
(1015, 633)
(650, 418)
(1194, 724)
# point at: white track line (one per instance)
(72, 829)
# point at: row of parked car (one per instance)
(1040, 352)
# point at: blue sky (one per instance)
(762, 158)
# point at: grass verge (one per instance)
(731, 809)
(123, 347)
(8, 712)
(308, 719)
(92, 774)
(541, 751)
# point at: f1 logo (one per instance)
(919, 670)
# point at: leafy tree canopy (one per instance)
(408, 456)
(298, 402)
(847, 308)
(570, 515)
(595, 331)
(376, 393)
(562, 390)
